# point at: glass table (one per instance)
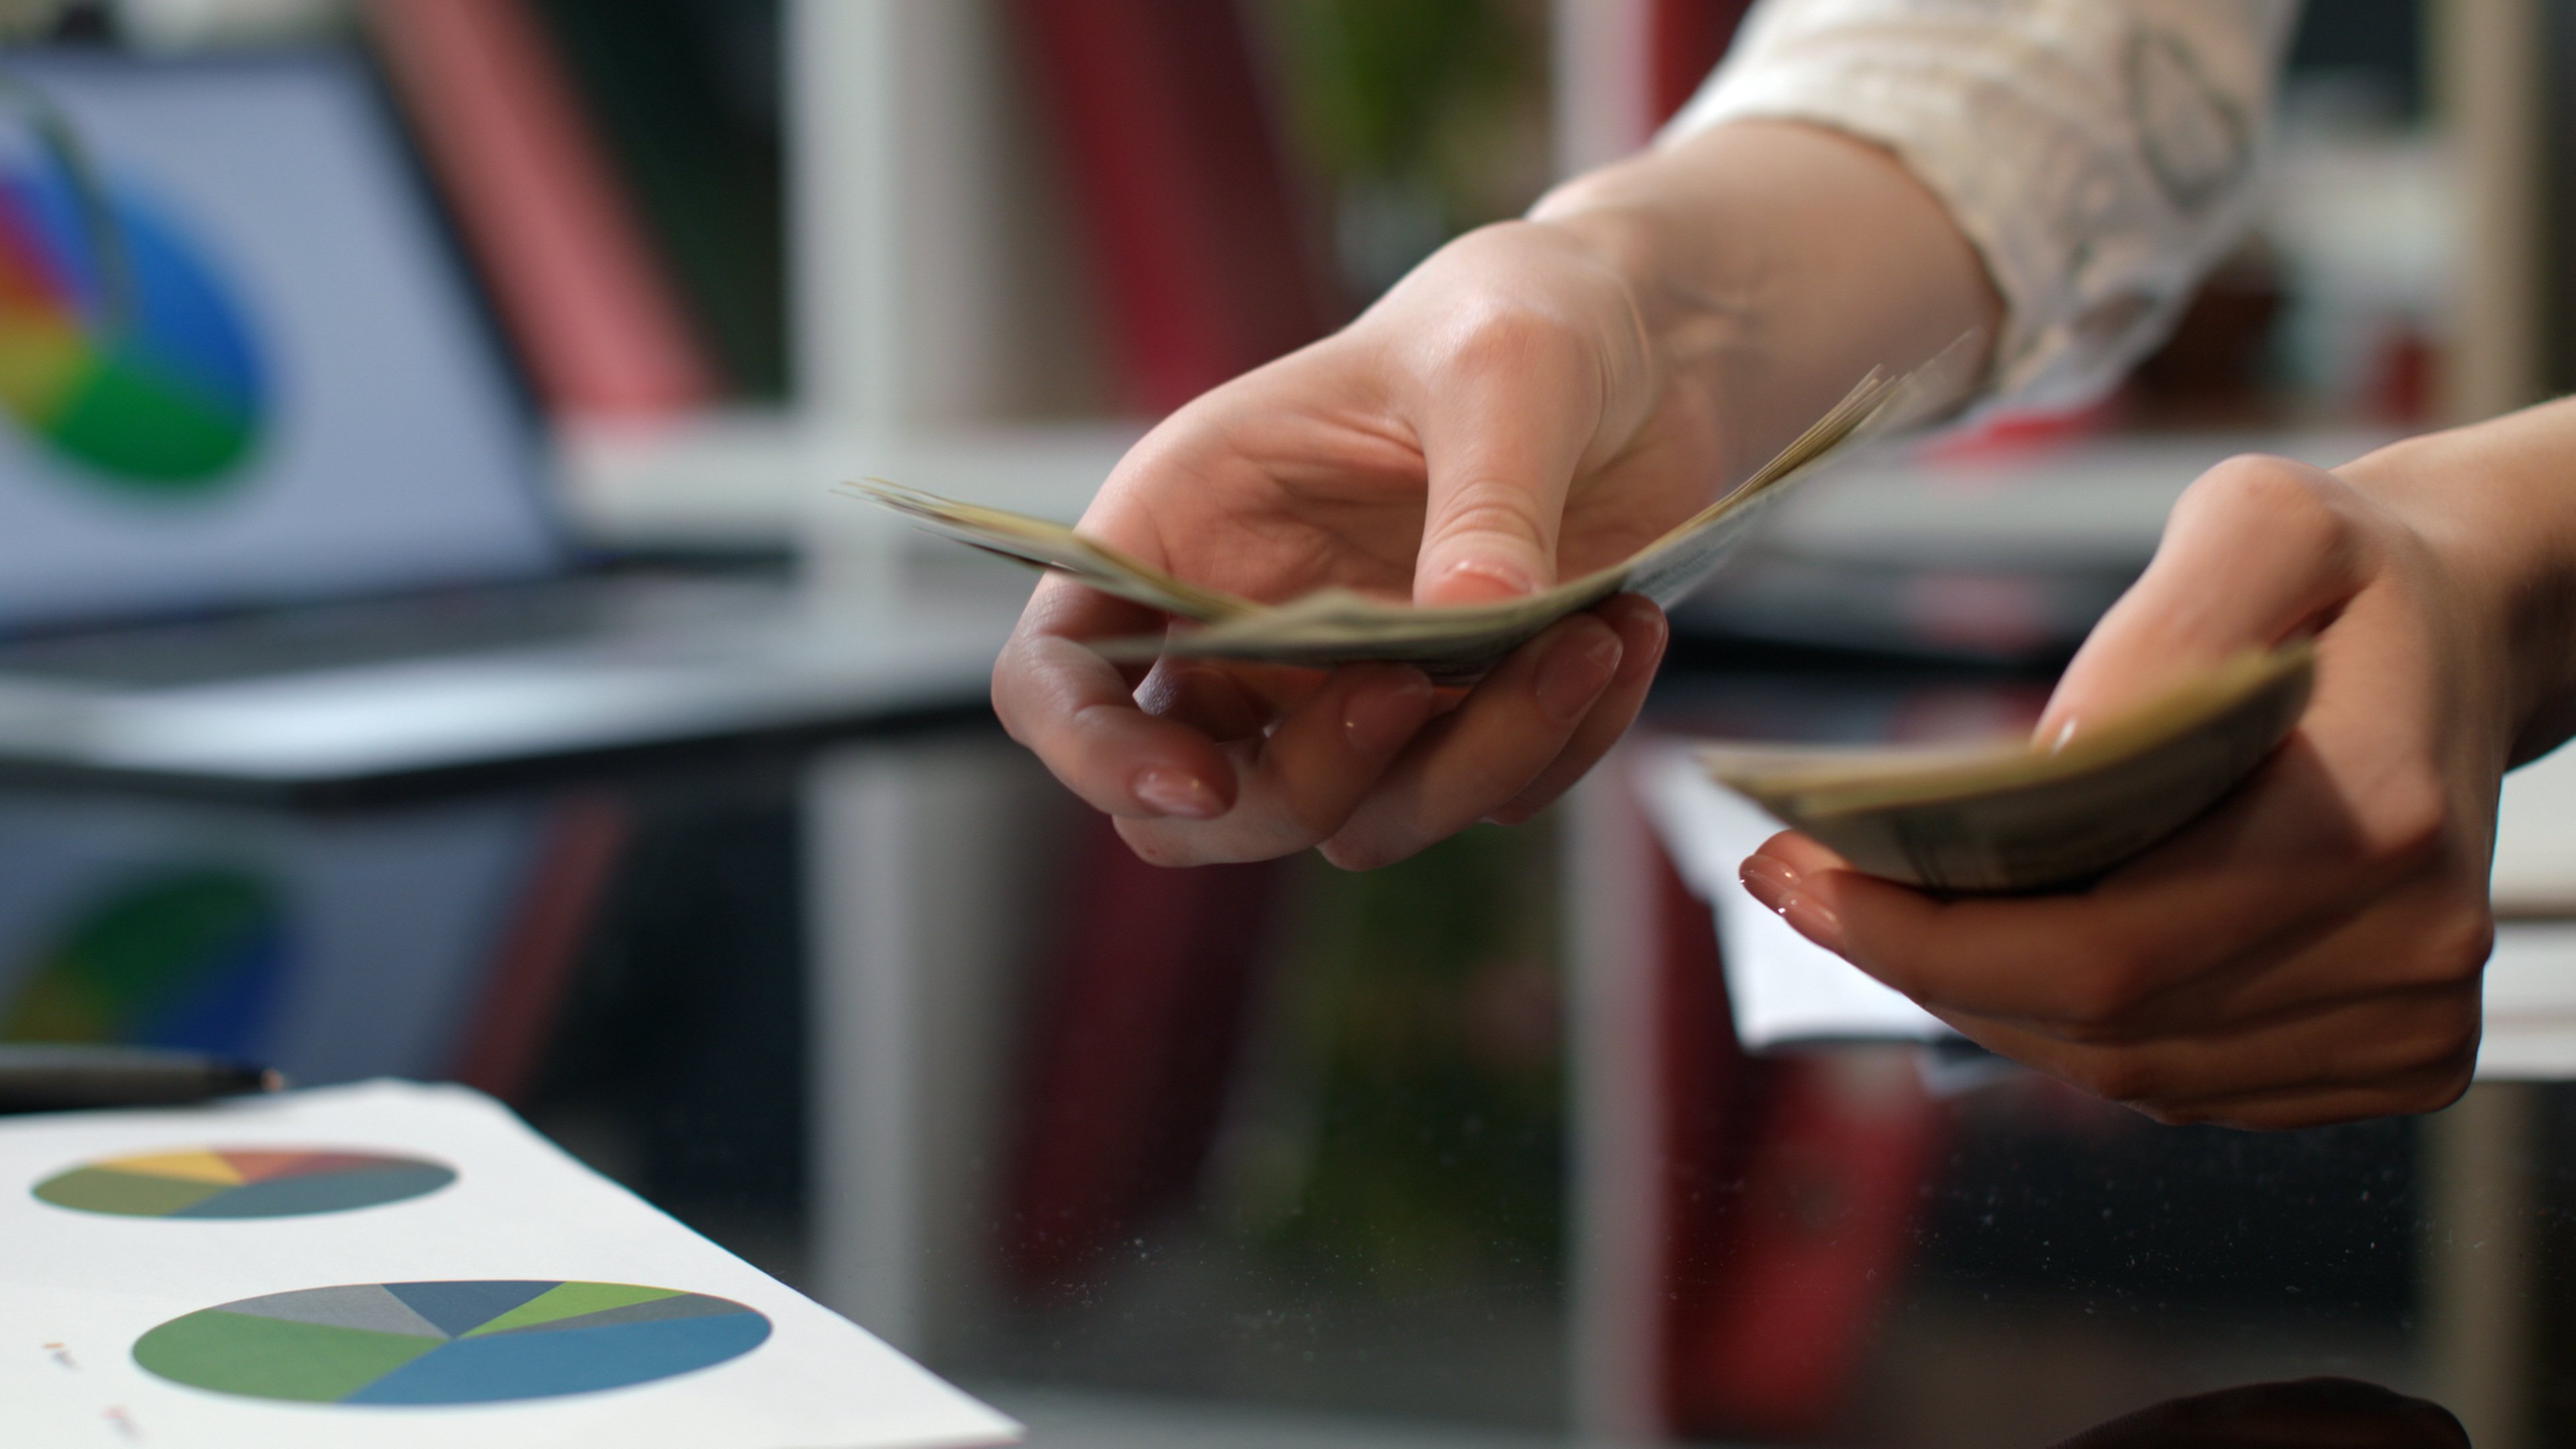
(1464, 1152)
(1458, 1153)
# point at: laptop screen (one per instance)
(243, 368)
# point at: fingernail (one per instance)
(1781, 890)
(1169, 792)
(1380, 717)
(1660, 633)
(1575, 672)
(1768, 879)
(1472, 580)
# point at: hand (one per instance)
(2309, 952)
(1494, 420)
(1538, 400)
(2329, 1413)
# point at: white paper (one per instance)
(2530, 997)
(2535, 845)
(77, 1289)
(1781, 986)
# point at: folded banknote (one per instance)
(2037, 816)
(1451, 643)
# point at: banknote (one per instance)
(1451, 643)
(2038, 816)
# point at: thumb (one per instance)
(1500, 445)
(2257, 550)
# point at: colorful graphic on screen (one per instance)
(129, 358)
(449, 1342)
(242, 1182)
(193, 957)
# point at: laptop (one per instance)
(273, 508)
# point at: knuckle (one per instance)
(2112, 984)
(2285, 491)
(2444, 1031)
(2448, 1064)
(1497, 333)
(2438, 959)
(2434, 1087)
(2450, 1084)
(2410, 825)
(2297, 507)
(2456, 952)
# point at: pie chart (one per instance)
(465, 1342)
(130, 359)
(241, 1182)
(185, 955)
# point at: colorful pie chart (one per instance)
(186, 956)
(468, 1342)
(120, 349)
(241, 1182)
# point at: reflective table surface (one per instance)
(1461, 1152)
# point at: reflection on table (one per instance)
(1460, 1152)
(1465, 1151)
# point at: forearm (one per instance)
(2496, 501)
(1771, 264)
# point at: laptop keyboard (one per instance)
(310, 638)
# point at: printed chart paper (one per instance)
(399, 1265)
(1781, 987)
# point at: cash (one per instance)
(2038, 816)
(1451, 643)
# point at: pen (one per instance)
(63, 1078)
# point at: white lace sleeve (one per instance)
(2100, 154)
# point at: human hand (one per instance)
(1494, 420)
(2310, 951)
(2318, 1413)
(1537, 400)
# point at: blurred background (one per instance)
(440, 653)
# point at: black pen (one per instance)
(65, 1078)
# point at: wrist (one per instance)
(2492, 504)
(1700, 312)
(1702, 289)
(1775, 262)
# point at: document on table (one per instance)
(399, 1265)
(1781, 986)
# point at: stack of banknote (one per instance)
(1452, 643)
(2046, 815)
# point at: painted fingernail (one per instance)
(1380, 717)
(1660, 633)
(1768, 879)
(1575, 672)
(1170, 792)
(1781, 890)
